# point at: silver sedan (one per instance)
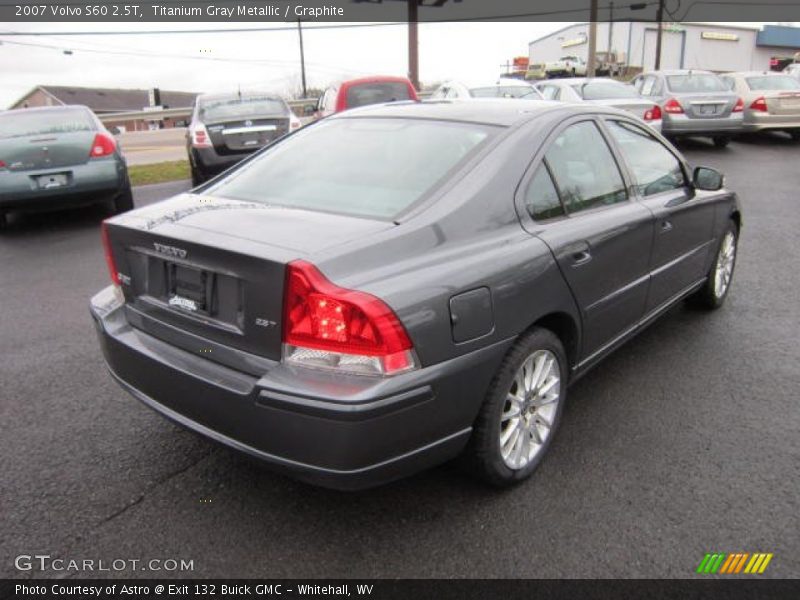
(771, 100)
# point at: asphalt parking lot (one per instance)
(685, 441)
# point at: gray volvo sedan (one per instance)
(398, 285)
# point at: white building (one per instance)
(684, 45)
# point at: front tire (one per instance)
(718, 283)
(721, 141)
(521, 411)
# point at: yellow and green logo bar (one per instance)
(733, 564)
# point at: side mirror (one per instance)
(708, 179)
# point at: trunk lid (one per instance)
(783, 103)
(246, 135)
(633, 105)
(197, 269)
(715, 105)
(47, 150)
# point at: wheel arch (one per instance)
(565, 328)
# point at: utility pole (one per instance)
(302, 58)
(610, 27)
(413, 44)
(659, 33)
(591, 61)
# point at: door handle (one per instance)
(581, 258)
(666, 226)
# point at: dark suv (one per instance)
(226, 128)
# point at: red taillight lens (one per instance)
(112, 267)
(673, 107)
(332, 327)
(759, 104)
(103, 145)
(654, 114)
(2, 164)
(200, 138)
(739, 106)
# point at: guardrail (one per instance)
(186, 112)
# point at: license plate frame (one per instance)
(189, 288)
(52, 181)
(708, 110)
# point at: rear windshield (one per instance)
(696, 83)
(504, 91)
(365, 167)
(605, 90)
(376, 93)
(240, 108)
(773, 82)
(20, 123)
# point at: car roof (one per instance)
(679, 72)
(489, 111)
(580, 80)
(755, 73)
(36, 109)
(374, 79)
(496, 82)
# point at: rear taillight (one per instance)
(673, 107)
(2, 164)
(200, 138)
(739, 106)
(294, 122)
(103, 145)
(654, 114)
(329, 327)
(759, 104)
(112, 267)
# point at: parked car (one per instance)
(693, 103)
(566, 66)
(377, 89)
(771, 100)
(793, 70)
(604, 92)
(499, 88)
(351, 326)
(226, 128)
(59, 157)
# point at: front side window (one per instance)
(584, 168)
(541, 197)
(653, 166)
(550, 92)
(371, 167)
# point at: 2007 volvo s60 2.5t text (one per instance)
(401, 284)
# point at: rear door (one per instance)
(684, 220)
(599, 237)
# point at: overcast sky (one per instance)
(263, 60)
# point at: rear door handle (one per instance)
(581, 258)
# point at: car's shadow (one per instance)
(73, 220)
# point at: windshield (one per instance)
(696, 83)
(773, 82)
(18, 123)
(240, 108)
(605, 90)
(373, 167)
(364, 94)
(504, 91)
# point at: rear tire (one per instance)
(795, 135)
(521, 411)
(124, 201)
(197, 176)
(720, 277)
(721, 141)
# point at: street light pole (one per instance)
(591, 62)
(302, 58)
(610, 27)
(659, 33)
(413, 44)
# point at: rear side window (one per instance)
(376, 93)
(605, 90)
(550, 92)
(541, 198)
(584, 168)
(20, 123)
(367, 167)
(654, 167)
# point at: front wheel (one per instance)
(521, 411)
(721, 142)
(718, 283)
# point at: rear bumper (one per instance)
(96, 181)
(683, 125)
(211, 163)
(758, 121)
(344, 432)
